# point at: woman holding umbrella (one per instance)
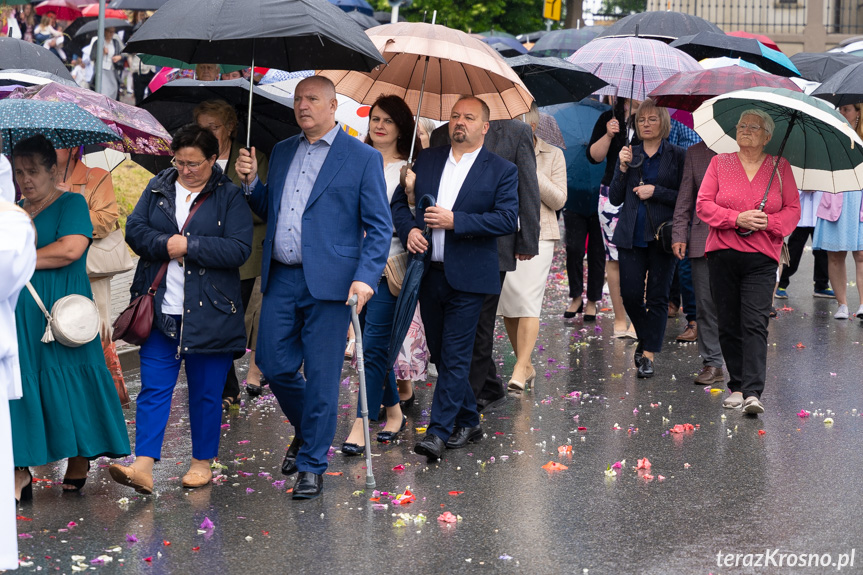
(647, 194)
(743, 249)
(111, 56)
(839, 229)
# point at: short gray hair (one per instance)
(532, 115)
(769, 124)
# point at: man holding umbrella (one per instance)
(328, 236)
(476, 195)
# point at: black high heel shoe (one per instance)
(406, 403)
(572, 314)
(385, 436)
(27, 491)
(75, 484)
(590, 317)
(256, 390)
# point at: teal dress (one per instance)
(70, 405)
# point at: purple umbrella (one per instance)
(141, 133)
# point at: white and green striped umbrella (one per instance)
(824, 151)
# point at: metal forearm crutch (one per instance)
(364, 406)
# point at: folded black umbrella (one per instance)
(553, 80)
(18, 54)
(174, 103)
(818, 67)
(844, 87)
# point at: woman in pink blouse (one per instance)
(743, 267)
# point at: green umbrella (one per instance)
(167, 62)
(824, 151)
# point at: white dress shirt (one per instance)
(451, 181)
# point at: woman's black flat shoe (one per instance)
(385, 436)
(254, 390)
(352, 449)
(572, 314)
(405, 403)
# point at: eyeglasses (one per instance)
(748, 127)
(192, 166)
(649, 120)
(214, 127)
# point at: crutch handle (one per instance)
(353, 301)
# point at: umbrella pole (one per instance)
(364, 406)
(249, 117)
(778, 155)
(420, 104)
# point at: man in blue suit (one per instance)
(476, 195)
(328, 235)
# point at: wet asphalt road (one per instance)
(779, 483)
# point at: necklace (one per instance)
(39, 209)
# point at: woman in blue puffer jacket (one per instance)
(198, 309)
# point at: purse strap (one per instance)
(49, 335)
(164, 269)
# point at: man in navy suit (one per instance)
(328, 235)
(476, 195)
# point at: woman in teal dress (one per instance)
(69, 407)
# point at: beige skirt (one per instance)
(524, 288)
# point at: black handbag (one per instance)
(662, 234)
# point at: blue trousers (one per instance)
(648, 312)
(297, 330)
(205, 374)
(377, 317)
(450, 318)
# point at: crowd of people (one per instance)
(240, 250)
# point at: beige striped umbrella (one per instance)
(457, 65)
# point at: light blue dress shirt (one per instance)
(301, 177)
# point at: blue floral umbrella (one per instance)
(65, 124)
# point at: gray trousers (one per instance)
(705, 314)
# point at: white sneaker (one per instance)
(842, 312)
(859, 312)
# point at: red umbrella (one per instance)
(687, 90)
(760, 37)
(63, 9)
(93, 10)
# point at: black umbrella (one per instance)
(18, 54)
(89, 29)
(844, 87)
(820, 66)
(406, 304)
(137, 4)
(364, 20)
(659, 25)
(711, 45)
(506, 47)
(172, 105)
(72, 45)
(554, 80)
(287, 35)
(16, 77)
(562, 43)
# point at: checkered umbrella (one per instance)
(688, 90)
(633, 66)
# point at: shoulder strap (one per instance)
(38, 300)
(164, 269)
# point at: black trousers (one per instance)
(232, 382)
(139, 85)
(742, 287)
(648, 309)
(796, 242)
(483, 376)
(578, 229)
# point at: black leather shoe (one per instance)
(352, 449)
(639, 353)
(431, 446)
(489, 404)
(645, 368)
(308, 486)
(384, 436)
(464, 435)
(289, 463)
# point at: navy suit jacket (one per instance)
(486, 207)
(347, 227)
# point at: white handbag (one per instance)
(108, 256)
(73, 321)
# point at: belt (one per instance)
(277, 263)
(436, 265)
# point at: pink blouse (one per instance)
(726, 192)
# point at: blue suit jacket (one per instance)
(347, 227)
(486, 207)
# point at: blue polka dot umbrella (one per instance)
(64, 124)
